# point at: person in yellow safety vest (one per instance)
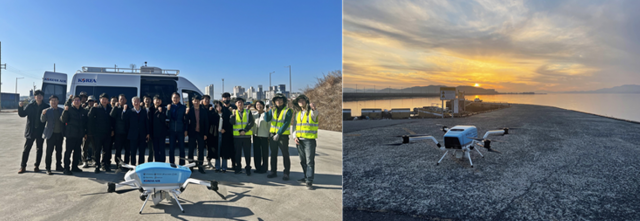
(280, 118)
(305, 131)
(242, 121)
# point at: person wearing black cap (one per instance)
(75, 117)
(242, 121)
(33, 129)
(83, 99)
(227, 108)
(53, 133)
(121, 130)
(198, 121)
(137, 122)
(280, 118)
(87, 146)
(102, 125)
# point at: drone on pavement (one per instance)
(160, 181)
(460, 139)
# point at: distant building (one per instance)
(208, 90)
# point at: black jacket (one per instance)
(137, 123)
(158, 122)
(120, 125)
(32, 111)
(101, 121)
(76, 120)
(177, 116)
(204, 121)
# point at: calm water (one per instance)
(624, 106)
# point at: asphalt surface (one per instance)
(83, 196)
(555, 164)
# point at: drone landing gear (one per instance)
(143, 204)
(445, 154)
(176, 199)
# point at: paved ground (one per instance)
(83, 196)
(559, 165)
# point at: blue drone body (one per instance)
(459, 136)
(160, 181)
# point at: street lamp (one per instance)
(270, 79)
(290, 87)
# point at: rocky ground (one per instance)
(556, 164)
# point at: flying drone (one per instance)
(460, 139)
(160, 181)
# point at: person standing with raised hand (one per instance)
(75, 117)
(53, 133)
(242, 121)
(33, 130)
(197, 118)
(137, 122)
(177, 127)
(305, 131)
(102, 131)
(121, 130)
(280, 118)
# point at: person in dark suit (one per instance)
(53, 133)
(212, 131)
(198, 121)
(137, 122)
(158, 129)
(148, 105)
(121, 130)
(75, 117)
(225, 137)
(177, 127)
(103, 129)
(33, 130)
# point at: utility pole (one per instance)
(17, 83)
(223, 86)
(54, 67)
(2, 66)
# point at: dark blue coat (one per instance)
(32, 111)
(176, 116)
(137, 123)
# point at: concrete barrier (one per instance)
(346, 114)
(372, 113)
(400, 113)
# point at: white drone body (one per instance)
(160, 181)
(461, 140)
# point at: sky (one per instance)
(207, 41)
(510, 46)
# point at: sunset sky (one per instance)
(510, 46)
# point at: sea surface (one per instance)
(623, 106)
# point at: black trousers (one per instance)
(137, 147)
(158, 146)
(73, 145)
(242, 145)
(261, 153)
(199, 138)
(212, 143)
(283, 144)
(87, 149)
(27, 148)
(122, 144)
(102, 145)
(150, 147)
(54, 143)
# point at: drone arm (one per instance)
(212, 185)
(190, 165)
(130, 183)
(425, 138)
(493, 132)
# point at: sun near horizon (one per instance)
(476, 85)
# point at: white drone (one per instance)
(160, 181)
(461, 139)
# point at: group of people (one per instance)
(218, 130)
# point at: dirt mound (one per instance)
(327, 97)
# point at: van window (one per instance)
(54, 89)
(96, 91)
(187, 97)
(164, 87)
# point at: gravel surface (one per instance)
(558, 165)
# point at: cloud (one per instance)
(546, 45)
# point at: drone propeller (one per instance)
(191, 160)
(413, 135)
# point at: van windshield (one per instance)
(54, 89)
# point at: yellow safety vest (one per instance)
(306, 128)
(276, 123)
(241, 124)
